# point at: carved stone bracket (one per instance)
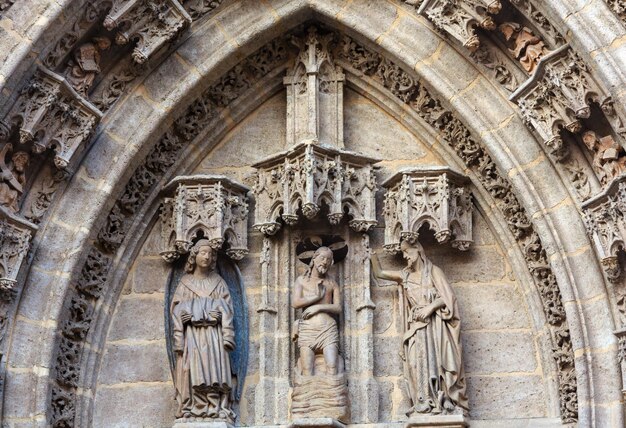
(15, 237)
(605, 219)
(437, 196)
(211, 204)
(556, 96)
(459, 18)
(296, 184)
(151, 23)
(51, 114)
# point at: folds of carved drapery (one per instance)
(213, 206)
(437, 197)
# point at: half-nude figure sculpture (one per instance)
(203, 336)
(320, 387)
(431, 345)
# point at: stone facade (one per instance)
(103, 104)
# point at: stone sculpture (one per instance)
(320, 387)
(609, 159)
(12, 177)
(431, 346)
(84, 65)
(527, 48)
(203, 337)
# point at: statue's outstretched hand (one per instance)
(185, 317)
(309, 312)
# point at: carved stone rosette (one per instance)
(296, 184)
(51, 114)
(151, 23)
(212, 205)
(459, 18)
(556, 96)
(605, 219)
(437, 196)
(15, 236)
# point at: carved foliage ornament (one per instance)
(15, 236)
(295, 185)
(459, 18)
(434, 196)
(50, 114)
(213, 205)
(151, 23)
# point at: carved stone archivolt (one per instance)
(434, 196)
(213, 207)
(51, 114)
(150, 23)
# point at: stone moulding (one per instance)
(51, 114)
(556, 96)
(459, 18)
(212, 205)
(605, 219)
(437, 196)
(296, 184)
(150, 23)
(15, 236)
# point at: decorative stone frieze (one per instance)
(15, 236)
(212, 205)
(459, 18)
(51, 114)
(437, 196)
(605, 219)
(151, 23)
(557, 96)
(618, 7)
(295, 184)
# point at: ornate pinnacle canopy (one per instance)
(211, 206)
(436, 196)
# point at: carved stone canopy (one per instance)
(437, 196)
(605, 219)
(295, 184)
(51, 114)
(209, 205)
(15, 236)
(150, 23)
(459, 18)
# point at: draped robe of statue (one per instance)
(432, 348)
(204, 366)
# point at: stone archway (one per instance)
(131, 128)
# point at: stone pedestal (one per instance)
(201, 423)
(442, 421)
(316, 423)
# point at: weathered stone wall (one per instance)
(502, 348)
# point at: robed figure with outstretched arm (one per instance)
(431, 344)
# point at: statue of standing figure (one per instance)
(431, 345)
(203, 337)
(320, 388)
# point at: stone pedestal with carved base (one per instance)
(440, 421)
(317, 423)
(201, 423)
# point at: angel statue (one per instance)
(431, 345)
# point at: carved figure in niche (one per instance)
(527, 48)
(609, 159)
(320, 388)
(203, 337)
(431, 346)
(320, 299)
(84, 65)
(12, 177)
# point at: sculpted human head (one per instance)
(20, 161)
(411, 251)
(201, 255)
(322, 260)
